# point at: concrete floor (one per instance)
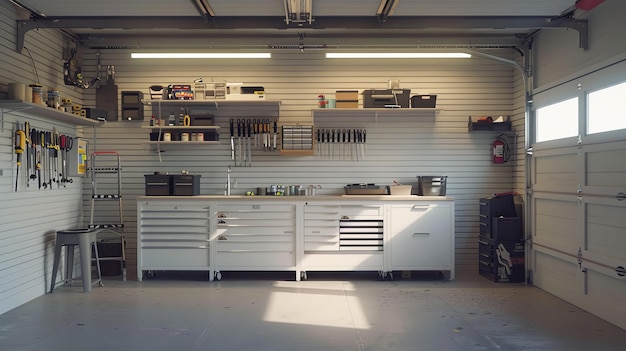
(330, 311)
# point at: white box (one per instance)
(400, 189)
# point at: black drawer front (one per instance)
(498, 206)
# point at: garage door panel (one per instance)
(605, 234)
(557, 206)
(557, 276)
(605, 172)
(556, 233)
(606, 296)
(556, 172)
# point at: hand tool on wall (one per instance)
(28, 160)
(249, 163)
(255, 131)
(239, 154)
(55, 157)
(343, 144)
(275, 132)
(42, 157)
(356, 143)
(33, 152)
(20, 145)
(39, 168)
(232, 139)
(363, 144)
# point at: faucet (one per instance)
(227, 187)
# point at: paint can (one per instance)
(17, 91)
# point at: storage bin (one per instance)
(423, 101)
(400, 189)
(432, 185)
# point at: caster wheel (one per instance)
(218, 276)
(303, 276)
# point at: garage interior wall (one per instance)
(397, 148)
(578, 223)
(30, 217)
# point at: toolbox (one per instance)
(366, 189)
(501, 228)
(381, 98)
(158, 184)
(185, 184)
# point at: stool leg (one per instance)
(69, 264)
(97, 258)
(55, 265)
(85, 260)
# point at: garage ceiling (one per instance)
(118, 20)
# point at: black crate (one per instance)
(423, 101)
(502, 261)
(503, 205)
(501, 228)
(158, 184)
(186, 184)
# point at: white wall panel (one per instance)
(29, 217)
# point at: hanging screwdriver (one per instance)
(20, 144)
(28, 160)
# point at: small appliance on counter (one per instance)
(181, 184)
(366, 189)
(386, 98)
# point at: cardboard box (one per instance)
(347, 95)
(346, 104)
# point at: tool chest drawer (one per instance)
(165, 258)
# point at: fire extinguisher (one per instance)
(501, 151)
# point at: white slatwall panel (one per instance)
(30, 217)
(397, 147)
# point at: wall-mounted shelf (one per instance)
(370, 114)
(182, 142)
(211, 103)
(16, 107)
(486, 124)
(182, 127)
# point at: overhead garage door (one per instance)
(578, 219)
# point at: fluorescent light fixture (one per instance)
(199, 55)
(397, 55)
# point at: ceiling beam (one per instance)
(461, 23)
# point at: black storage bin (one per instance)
(501, 228)
(432, 185)
(423, 101)
(502, 261)
(502, 205)
(185, 184)
(158, 184)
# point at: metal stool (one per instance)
(85, 238)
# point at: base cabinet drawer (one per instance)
(182, 258)
(254, 260)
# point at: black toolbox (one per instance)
(501, 228)
(381, 98)
(502, 261)
(158, 184)
(185, 184)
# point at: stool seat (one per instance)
(85, 239)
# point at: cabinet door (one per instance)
(421, 238)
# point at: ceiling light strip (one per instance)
(200, 55)
(397, 55)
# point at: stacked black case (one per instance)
(501, 244)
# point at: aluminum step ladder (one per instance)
(106, 199)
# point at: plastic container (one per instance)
(400, 189)
(432, 185)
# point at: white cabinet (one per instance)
(173, 235)
(422, 236)
(255, 236)
(343, 237)
(294, 234)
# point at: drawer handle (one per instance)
(421, 206)
(288, 232)
(421, 234)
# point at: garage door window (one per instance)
(607, 109)
(557, 121)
